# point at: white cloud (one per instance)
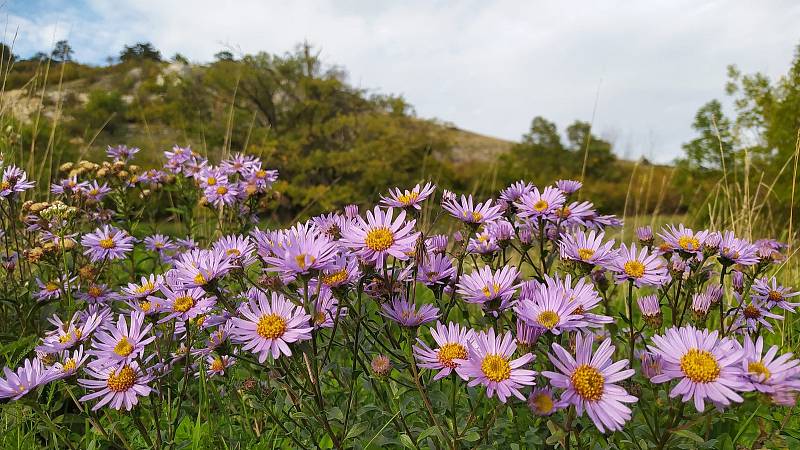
(486, 66)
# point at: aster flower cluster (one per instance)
(468, 305)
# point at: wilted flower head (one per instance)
(381, 365)
(406, 314)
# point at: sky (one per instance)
(638, 69)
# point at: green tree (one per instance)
(713, 148)
(138, 52)
(62, 51)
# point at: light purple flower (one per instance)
(26, 378)
(467, 211)
(266, 326)
(303, 250)
(683, 239)
(485, 286)
(380, 236)
(14, 182)
(406, 314)
(453, 342)
(542, 204)
(589, 248)
(766, 373)
(708, 367)
(107, 242)
(753, 314)
(183, 304)
(589, 381)
(643, 268)
(408, 198)
(121, 153)
(116, 386)
(773, 294)
(436, 270)
(119, 344)
(733, 250)
(549, 307)
(95, 192)
(490, 364)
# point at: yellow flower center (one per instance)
(585, 253)
(409, 198)
(542, 403)
(588, 382)
(199, 279)
(69, 365)
(145, 306)
(261, 173)
(51, 286)
(5, 185)
(183, 303)
(107, 243)
(121, 381)
(222, 190)
(335, 278)
(548, 319)
(775, 296)
(634, 269)
(751, 311)
(496, 368)
(541, 205)
(95, 291)
(123, 347)
(758, 368)
(271, 326)
(146, 287)
(476, 216)
(211, 181)
(564, 212)
(488, 291)
(320, 318)
(301, 260)
(700, 366)
(379, 239)
(217, 365)
(688, 243)
(450, 351)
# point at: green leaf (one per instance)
(406, 441)
(689, 435)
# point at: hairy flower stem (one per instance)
(722, 302)
(631, 330)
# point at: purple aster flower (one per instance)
(406, 314)
(96, 193)
(753, 314)
(342, 271)
(159, 243)
(217, 364)
(107, 242)
(119, 344)
(483, 244)
(351, 211)
(14, 182)
(650, 308)
(26, 378)
(97, 294)
(651, 364)
(221, 194)
(569, 186)
(303, 250)
(331, 225)
(240, 249)
(645, 236)
(184, 304)
(490, 364)
(436, 270)
(589, 248)
(469, 212)
(514, 192)
(200, 267)
(266, 326)
(602, 221)
(147, 286)
(549, 307)
(765, 373)
(701, 303)
(773, 294)
(379, 236)
(527, 335)
(642, 268)
(241, 163)
(326, 309)
(51, 290)
(683, 239)
(67, 335)
(488, 288)
(69, 186)
(575, 214)
(116, 386)
(542, 204)
(589, 382)
(408, 199)
(261, 178)
(708, 367)
(211, 177)
(733, 250)
(501, 230)
(453, 342)
(121, 153)
(69, 364)
(542, 402)
(437, 243)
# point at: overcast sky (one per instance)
(486, 66)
